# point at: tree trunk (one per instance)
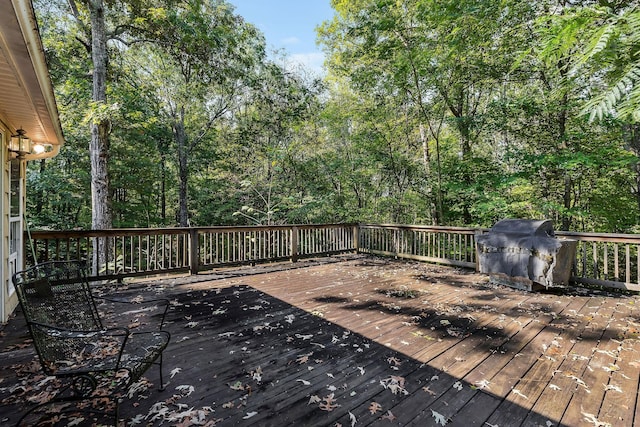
(568, 182)
(180, 136)
(426, 161)
(163, 189)
(632, 136)
(101, 214)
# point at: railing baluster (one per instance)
(616, 263)
(627, 271)
(605, 261)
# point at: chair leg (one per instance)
(162, 387)
(117, 411)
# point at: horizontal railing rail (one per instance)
(602, 259)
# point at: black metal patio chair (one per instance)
(96, 365)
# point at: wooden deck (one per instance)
(369, 341)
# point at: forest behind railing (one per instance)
(602, 259)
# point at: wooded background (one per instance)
(444, 112)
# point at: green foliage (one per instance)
(435, 112)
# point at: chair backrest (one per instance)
(57, 294)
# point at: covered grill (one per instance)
(524, 253)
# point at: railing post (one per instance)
(477, 232)
(294, 244)
(356, 238)
(194, 250)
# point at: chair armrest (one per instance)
(66, 352)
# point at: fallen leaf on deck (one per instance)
(236, 386)
(137, 420)
(374, 408)
(613, 388)
(484, 384)
(314, 399)
(304, 337)
(75, 421)
(249, 415)
(352, 419)
(428, 390)
(578, 381)
(394, 361)
(304, 358)
(395, 384)
(304, 382)
(439, 418)
(518, 393)
(175, 371)
(388, 416)
(257, 374)
(592, 419)
(188, 389)
(328, 403)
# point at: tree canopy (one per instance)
(430, 112)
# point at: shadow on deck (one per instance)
(366, 341)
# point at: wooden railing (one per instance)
(219, 246)
(443, 245)
(605, 259)
(128, 252)
(609, 260)
(138, 252)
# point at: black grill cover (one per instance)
(522, 248)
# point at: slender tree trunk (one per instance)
(637, 169)
(632, 136)
(568, 182)
(426, 161)
(465, 150)
(163, 189)
(101, 213)
(180, 136)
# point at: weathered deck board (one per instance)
(283, 345)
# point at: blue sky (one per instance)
(289, 25)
